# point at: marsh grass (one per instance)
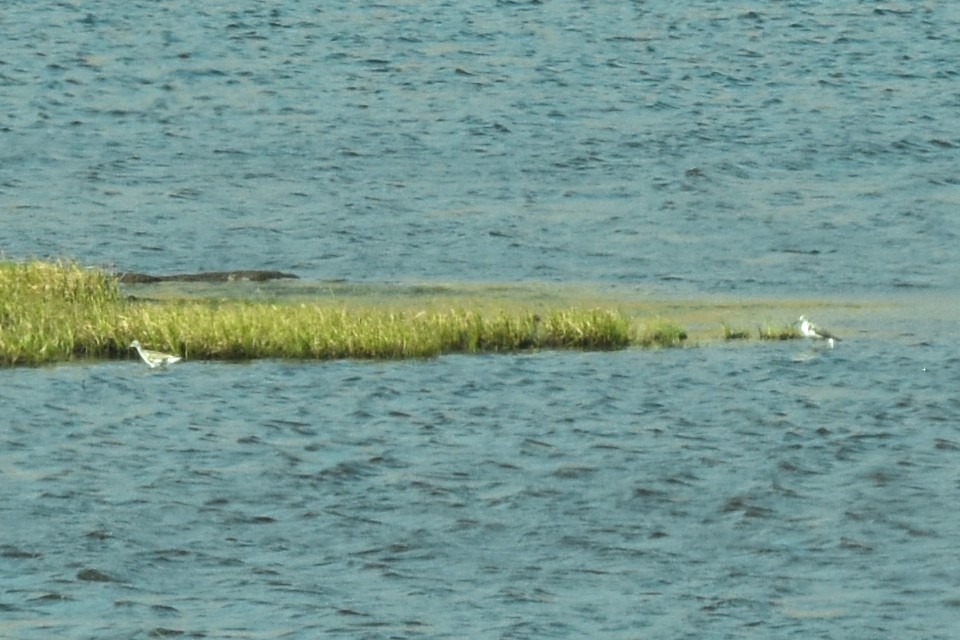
(239, 331)
(731, 333)
(775, 332)
(59, 311)
(56, 311)
(661, 333)
(764, 332)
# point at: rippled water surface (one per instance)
(761, 490)
(761, 146)
(757, 491)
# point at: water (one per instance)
(798, 146)
(760, 490)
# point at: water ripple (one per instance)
(258, 494)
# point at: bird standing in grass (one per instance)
(154, 358)
(810, 330)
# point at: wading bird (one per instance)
(154, 358)
(810, 330)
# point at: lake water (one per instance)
(749, 491)
(789, 147)
(758, 149)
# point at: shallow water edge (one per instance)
(704, 317)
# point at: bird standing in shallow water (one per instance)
(810, 330)
(154, 358)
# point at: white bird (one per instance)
(154, 358)
(810, 330)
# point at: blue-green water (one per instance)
(792, 147)
(729, 492)
(760, 490)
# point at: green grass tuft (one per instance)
(773, 332)
(56, 311)
(729, 333)
(662, 333)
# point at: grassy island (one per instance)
(58, 311)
